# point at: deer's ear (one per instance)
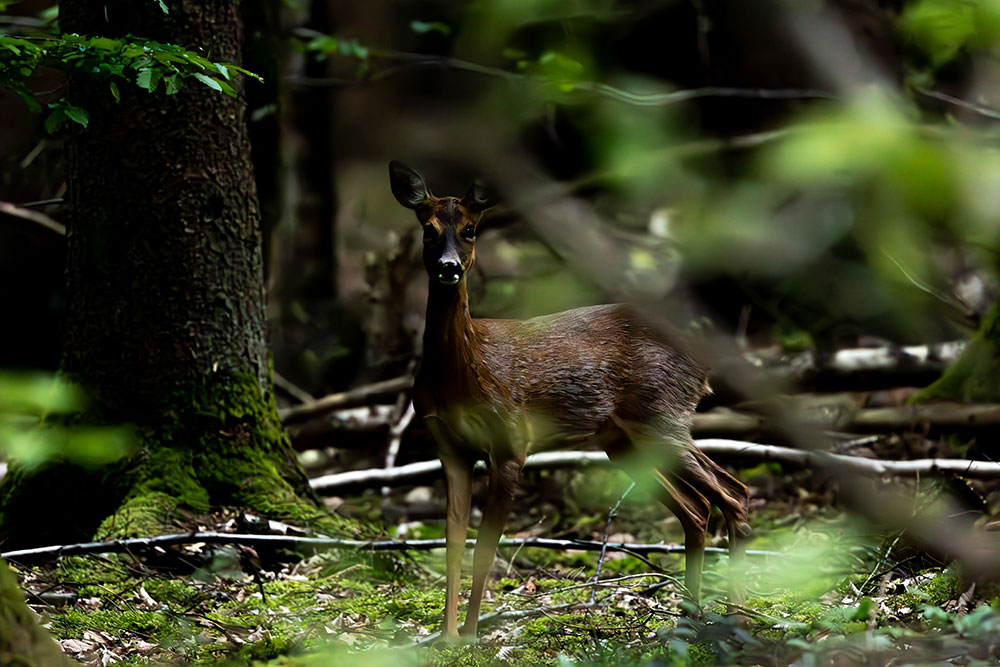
(407, 186)
(479, 197)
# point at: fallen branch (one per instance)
(290, 388)
(842, 417)
(373, 417)
(143, 544)
(396, 438)
(724, 448)
(15, 211)
(866, 366)
(343, 399)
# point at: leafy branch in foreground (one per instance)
(143, 62)
(36, 423)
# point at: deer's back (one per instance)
(577, 368)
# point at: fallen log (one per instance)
(860, 368)
(723, 422)
(734, 449)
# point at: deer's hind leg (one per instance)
(732, 498)
(689, 483)
(648, 467)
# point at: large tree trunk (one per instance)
(22, 641)
(166, 325)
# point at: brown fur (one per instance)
(500, 389)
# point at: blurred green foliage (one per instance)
(27, 400)
(942, 28)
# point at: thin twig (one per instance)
(604, 542)
(606, 582)
(496, 616)
(331, 402)
(602, 89)
(145, 544)
(55, 201)
(975, 107)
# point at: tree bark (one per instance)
(22, 640)
(166, 325)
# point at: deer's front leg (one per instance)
(458, 478)
(500, 499)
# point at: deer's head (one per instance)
(449, 223)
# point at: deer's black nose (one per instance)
(449, 272)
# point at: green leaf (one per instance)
(208, 81)
(78, 115)
(237, 68)
(163, 6)
(324, 44)
(863, 610)
(145, 79)
(172, 83)
(556, 64)
(55, 121)
(430, 26)
(115, 93)
(195, 59)
(223, 70)
(105, 44)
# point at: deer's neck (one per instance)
(451, 345)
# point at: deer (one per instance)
(497, 390)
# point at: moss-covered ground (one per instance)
(838, 591)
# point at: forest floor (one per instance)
(836, 592)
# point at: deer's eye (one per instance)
(469, 233)
(430, 233)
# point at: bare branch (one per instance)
(293, 390)
(396, 439)
(16, 211)
(343, 399)
(140, 545)
(974, 107)
(936, 417)
(725, 448)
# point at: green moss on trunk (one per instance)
(227, 448)
(22, 641)
(975, 376)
